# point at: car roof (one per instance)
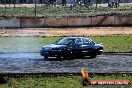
(77, 37)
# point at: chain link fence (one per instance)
(57, 8)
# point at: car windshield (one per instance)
(65, 41)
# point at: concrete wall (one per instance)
(27, 22)
(9, 22)
(33, 22)
(103, 20)
(123, 20)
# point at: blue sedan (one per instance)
(72, 47)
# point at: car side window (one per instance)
(78, 41)
(86, 42)
(69, 42)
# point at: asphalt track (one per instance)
(31, 62)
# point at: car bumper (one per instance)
(100, 51)
(50, 52)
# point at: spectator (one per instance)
(64, 2)
(52, 2)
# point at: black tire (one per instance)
(46, 57)
(93, 55)
(58, 57)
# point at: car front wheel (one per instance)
(45, 57)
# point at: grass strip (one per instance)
(62, 81)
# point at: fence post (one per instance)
(14, 6)
(96, 6)
(35, 9)
(5, 6)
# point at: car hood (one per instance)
(54, 46)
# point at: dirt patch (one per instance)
(92, 31)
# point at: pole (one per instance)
(14, 6)
(35, 9)
(96, 6)
(5, 6)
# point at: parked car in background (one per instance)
(72, 47)
(113, 3)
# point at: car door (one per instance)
(86, 46)
(77, 47)
(69, 49)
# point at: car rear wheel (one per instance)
(58, 57)
(93, 55)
